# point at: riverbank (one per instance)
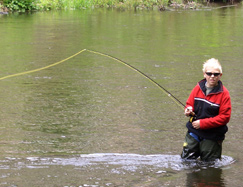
(46, 5)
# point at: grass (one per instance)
(43, 5)
(80, 4)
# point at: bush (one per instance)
(19, 5)
(29, 5)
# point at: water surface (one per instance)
(55, 123)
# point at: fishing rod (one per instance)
(177, 101)
(169, 94)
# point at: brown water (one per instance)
(91, 121)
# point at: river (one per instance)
(90, 120)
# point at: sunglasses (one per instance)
(210, 74)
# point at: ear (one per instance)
(204, 74)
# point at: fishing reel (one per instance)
(193, 117)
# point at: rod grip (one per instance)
(193, 117)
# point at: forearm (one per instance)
(214, 122)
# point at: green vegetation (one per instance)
(20, 5)
(39, 5)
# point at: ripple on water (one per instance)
(125, 162)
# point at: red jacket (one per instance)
(213, 110)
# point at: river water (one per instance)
(92, 121)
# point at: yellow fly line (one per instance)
(39, 69)
(178, 102)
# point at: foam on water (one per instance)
(126, 162)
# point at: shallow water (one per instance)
(128, 162)
(103, 165)
(91, 121)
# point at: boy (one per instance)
(210, 102)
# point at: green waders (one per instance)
(208, 150)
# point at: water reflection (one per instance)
(206, 177)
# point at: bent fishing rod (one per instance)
(192, 116)
(177, 101)
(169, 94)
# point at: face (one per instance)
(213, 79)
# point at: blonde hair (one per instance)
(214, 63)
